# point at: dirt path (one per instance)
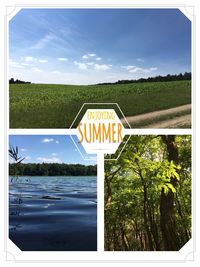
(158, 114)
(172, 123)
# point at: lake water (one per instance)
(53, 213)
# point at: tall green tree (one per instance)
(148, 195)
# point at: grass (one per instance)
(55, 106)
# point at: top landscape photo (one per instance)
(60, 59)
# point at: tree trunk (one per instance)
(167, 213)
(109, 192)
(146, 224)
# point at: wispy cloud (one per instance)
(54, 154)
(135, 69)
(35, 69)
(28, 157)
(44, 41)
(87, 56)
(62, 58)
(102, 66)
(43, 60)
(90, 63)
(47, 140)
(57, 142)
(49, 160)
(14, 64)
(98, 58)
(28, 59)
(81, 66)
(27, 64)
(84, 57)
(128, 67)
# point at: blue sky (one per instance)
(84, 46)
(50, 149)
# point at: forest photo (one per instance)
(148, 195)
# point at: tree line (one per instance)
(12, 80)
(51, 169)
(159, 78)
(148, 195)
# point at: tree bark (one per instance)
(167, 202)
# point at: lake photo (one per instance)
(50, 210)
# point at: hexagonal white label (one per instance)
(100, 130)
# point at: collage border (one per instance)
(100, 156)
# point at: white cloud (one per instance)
(24, 149)
(14, 64)
(35, 69)
(28, 59)
(47, 140)
(76, 76)
(84, 57)
(27, 64)
(42, 60)
(135, 69)
(49, 160)
(90, 63)
(57, 142)
(154, 68)
(102, 66)
(81, 66)
(28, 157)
(128, 67)
(54, 154)
(87, 56)
(62, 58)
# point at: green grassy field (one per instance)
(55, 106)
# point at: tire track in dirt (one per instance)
(182, 119)
(172, 123)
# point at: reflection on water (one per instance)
(53, 213)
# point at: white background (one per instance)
(196, 202)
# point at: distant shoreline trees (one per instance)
(52, 169)
(12, 81)
(167, 78)
(159, 78)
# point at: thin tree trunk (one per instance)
(146, 224)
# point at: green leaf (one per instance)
(143, 172)
(166, 189)
(138, 157)
(170, 186)
(175, 174)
